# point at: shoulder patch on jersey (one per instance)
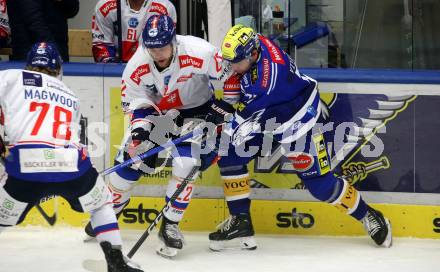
(159, 8)
(107, 7)
(266, 73)
(186, 61)
(139, 72)
(31, 79)
(275, 53)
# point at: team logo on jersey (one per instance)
(159, 8)
(139, 72)
(246, 130)
(186, 61)
(107, 7)
(133, 22)
(30, 79)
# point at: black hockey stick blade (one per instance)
(50, 219)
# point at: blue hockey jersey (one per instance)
(274, 88)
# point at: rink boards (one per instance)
(397, 111)
(269, 217)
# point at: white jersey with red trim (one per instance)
(41, 119)
(104, 21)
(5, 31)
(184, 84)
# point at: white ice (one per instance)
(35, 249)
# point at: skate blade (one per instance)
(89, 239)
(167, 252)
(131, 263)
(247, 243)
(389, 240)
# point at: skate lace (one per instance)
(172, 230)
(371, 224)
(227, 224)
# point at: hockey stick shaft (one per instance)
(153, 224)
(52, 219)
(151, 152)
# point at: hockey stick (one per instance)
(52, 219)
(152, 152)
(164, 209)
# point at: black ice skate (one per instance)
(171, 237)
(116, 262)
(378, 227)
(90, 234)
(236, 226)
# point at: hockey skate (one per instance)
(90, 234)
(378, 227)
(236, 226)
(171, 237)
(116, 262)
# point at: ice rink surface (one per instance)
(37, 249)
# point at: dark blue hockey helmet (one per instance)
(44, 55)
(159, 31)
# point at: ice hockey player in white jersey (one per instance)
(168, 71)
(41, 120)
(134, 14)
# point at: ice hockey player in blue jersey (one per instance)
(41, 118)
(279, 105)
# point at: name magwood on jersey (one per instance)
(104, 25)
(41, 119)
(184, 84)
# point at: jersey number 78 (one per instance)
(62, 117)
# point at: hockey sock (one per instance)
(178, 207)
(182, 166)
(348, 200)
(121, 191)
(237, 190)
(105, 225)
(339, 193)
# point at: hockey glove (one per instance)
(219, 112)
(139, 144)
